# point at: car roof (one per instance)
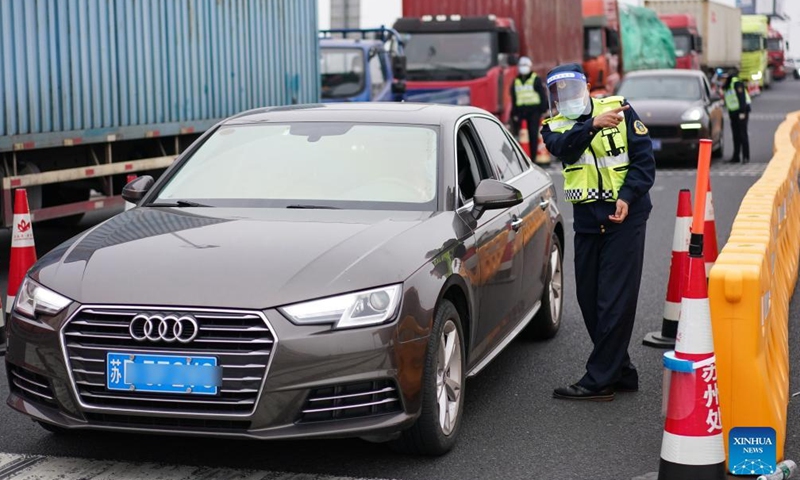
(367, 112)
(666, 73)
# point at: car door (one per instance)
(532, 232)
(496, 275)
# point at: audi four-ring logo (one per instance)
(164, 328)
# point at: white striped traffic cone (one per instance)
(710, 247)
(692, 446)
(542, 155)
(23, 250)
(677, 273)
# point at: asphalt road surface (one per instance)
(512, 429)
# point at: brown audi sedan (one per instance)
(309, 271)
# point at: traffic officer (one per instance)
(527, 99)
(737, 101)
(608, 167)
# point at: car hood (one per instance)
(241, 258)
(662, 112)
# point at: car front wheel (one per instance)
(436, 429)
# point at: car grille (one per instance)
(31, 386)
(657, 131)
(242, 343)
(351, 401)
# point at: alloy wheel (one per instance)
(449, 377)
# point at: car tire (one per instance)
(719, 152)
(432, 434)
(54, 429)
(547, 321)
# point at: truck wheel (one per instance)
(436, 429)
(547, 321)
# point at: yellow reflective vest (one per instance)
(525, 94)
(601, 170)
(732, 99)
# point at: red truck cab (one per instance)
(688, 43)
(602, 59)
(451, 51)
(776, 54)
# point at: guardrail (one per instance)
(750, 288)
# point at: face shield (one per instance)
(569, 94)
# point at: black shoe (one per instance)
(733, 160)
(577, 392)
(622, 387)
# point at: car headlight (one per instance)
(33, 299)
(693, 114)
(360, 309)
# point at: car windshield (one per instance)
(449, 52)
(683, 45)
(751, 42)
(342, 71)
(660, 88)
(310, 165)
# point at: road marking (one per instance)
(36, 467)
(768, 117)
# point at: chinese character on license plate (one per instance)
(163, 373)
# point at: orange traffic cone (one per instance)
(23, 250)
(524, 138)
(692, 445)
(542, 155)
(677, 272)
(710, 248)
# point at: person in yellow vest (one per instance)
(528, 100)
(737, 101)
(608, 168)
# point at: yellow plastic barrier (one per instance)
(750, 287)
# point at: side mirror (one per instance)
(136, 189)
(399, 67)
(493, 195)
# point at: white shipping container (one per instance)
(720, 26)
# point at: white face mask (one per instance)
(524, 70)
(573, 109)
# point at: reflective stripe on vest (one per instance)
(732, 99)
(525, 94)
(601, 170)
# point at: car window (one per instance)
(706, 87)
(647, 87)
(470, 166)
(503, 159)
(337, 164)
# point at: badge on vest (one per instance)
(639, 128)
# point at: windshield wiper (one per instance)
(310, 207)
(179, 203)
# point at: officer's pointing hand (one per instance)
(621, 213)
(610, 119)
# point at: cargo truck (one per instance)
(369, 65)
(476, 44)
(755, 59)
(718, 28)
(607, 29)
(95, 91)
(687, 39)
(776, 54)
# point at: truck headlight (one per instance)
(360, 309)
(756, 76)
(33, 299)
(693, 114)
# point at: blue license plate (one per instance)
(656, 143)
(163, 373)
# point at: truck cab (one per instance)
(602, 46)
(451, 51)
(776, 54)
(687, 39)
(755, 63)
(367, 68)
